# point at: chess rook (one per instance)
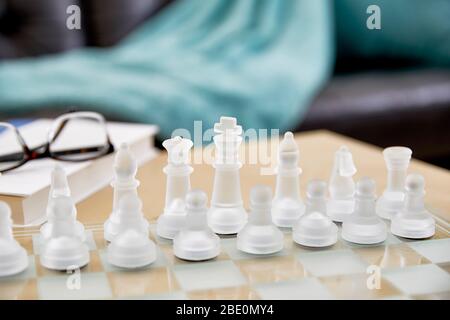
(13, 257)
(364, 226)
(124, 183)
(341, 186)
(260, 236)
(178, 172)
(391, 201)
(227, 214)
(288, 207)
(196, 241)
(414, 221)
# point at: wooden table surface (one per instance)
(316, 158)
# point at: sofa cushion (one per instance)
(410, 108)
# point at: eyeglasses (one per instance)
(73, 137)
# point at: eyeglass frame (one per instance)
(53, 132)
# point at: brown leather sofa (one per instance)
(396, 106)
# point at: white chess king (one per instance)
(178, 184)
(227, 214)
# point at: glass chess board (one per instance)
(396, 269)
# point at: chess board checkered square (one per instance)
(307, 288)
(228, 293)
(419, 280)
(355, 286)
(208, 275)
(92, 286)
(176, 295)
(271, 269)
(22, 285)
(438, 250)
(332, 262)
(142, 282)
(391, 256)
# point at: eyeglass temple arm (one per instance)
(17, 156)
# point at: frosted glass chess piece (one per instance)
(63, 250)
(178, 172)
(287, 204)
(315, 228)
(260, 235)
(129, 216)
(13, 257)
(60, 187)
(131, 249)
(364, 226)
(124, 183)
(391, 201)
(341, 186)
(227, 214)
(196, 241)
(413, 220)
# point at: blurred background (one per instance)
(291, 64)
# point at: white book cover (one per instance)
(30, 183)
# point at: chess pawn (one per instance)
(315, 228)
(227, 214)
(131, 249)
(364, 226)
(287, 204)
(129, 216)
(414, 221)
(260, 235)
(124, 183)
(60, 187)
(13, 257)
(178, 172)
(341, 186)
(391, 201)
(196, 241)
(63, 250)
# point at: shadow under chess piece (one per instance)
(414, 221)
(60, 187)
(63, 250)
(287, 206)
(364, 226)
(13, 257)
(315, 228)
(196, 241)
(341, 186)
(260, 235)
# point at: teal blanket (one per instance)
(261, 61)
(258, 60)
